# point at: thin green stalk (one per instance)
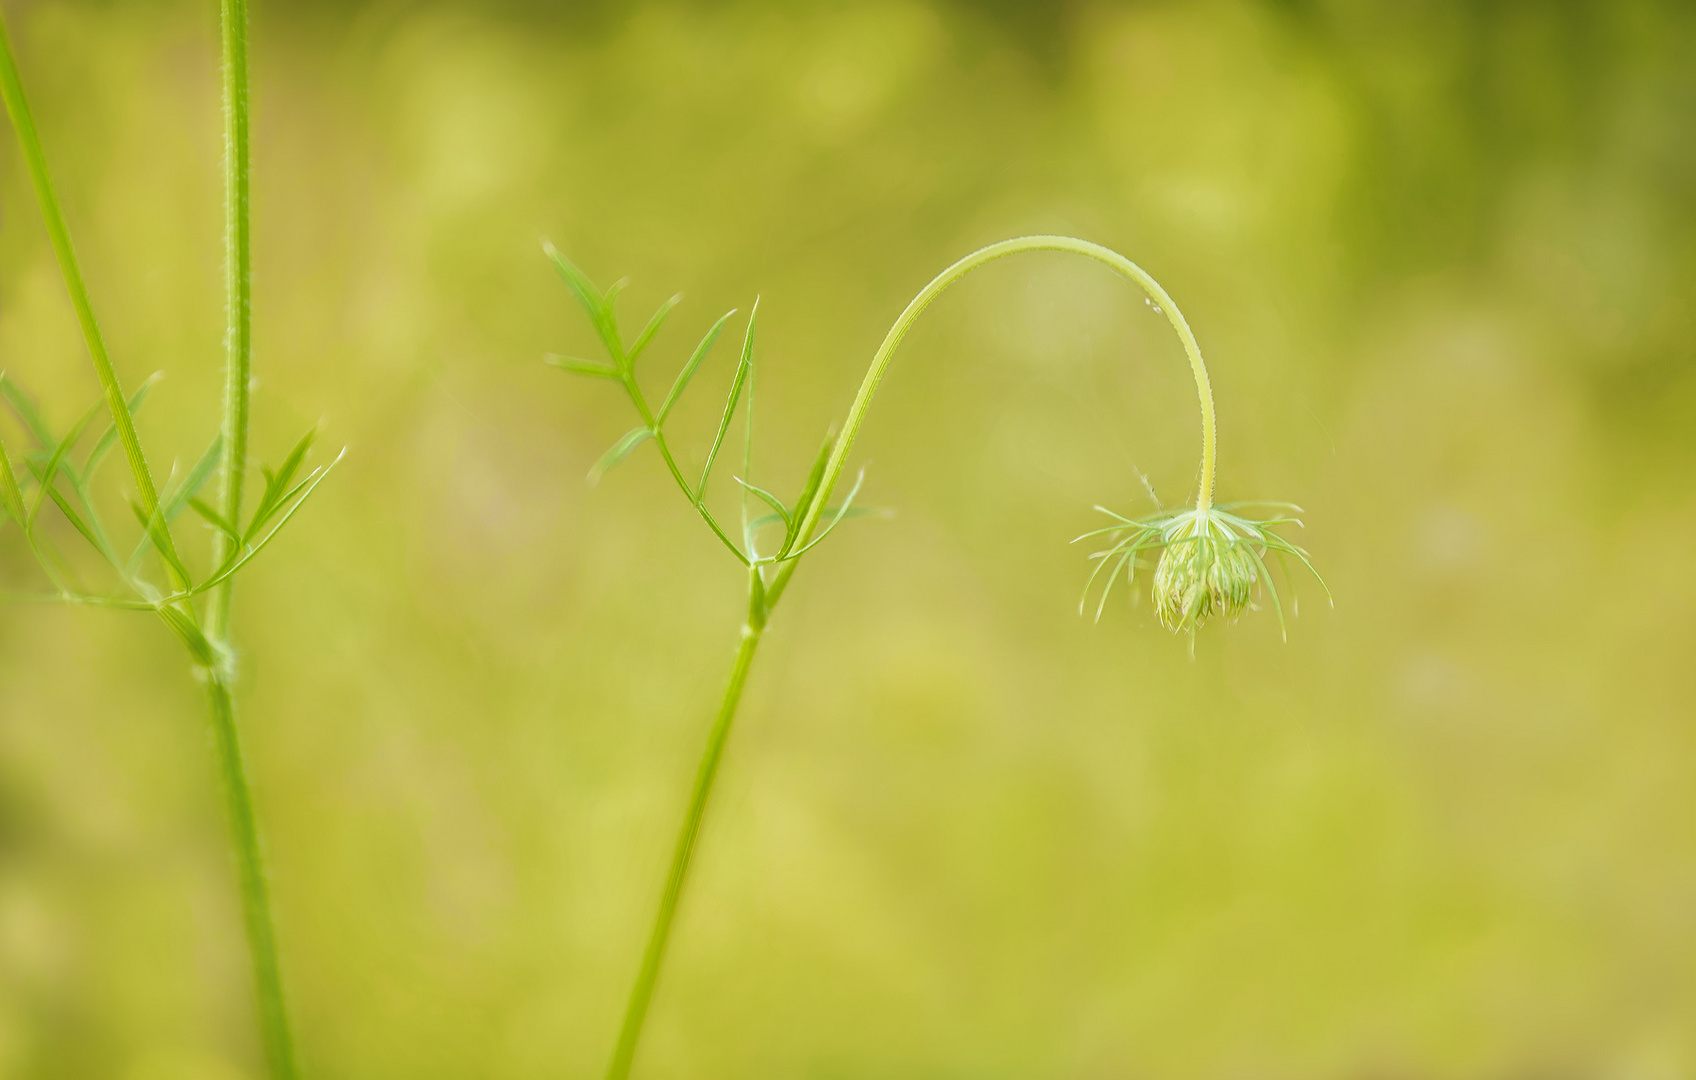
(238, 379)
(181, 615)
(886, 351)
(640, 994)
(35, 158)
(238, 281)
(250, 872)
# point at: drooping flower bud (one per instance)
(1211, 560)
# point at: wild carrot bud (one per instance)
(1210, 560)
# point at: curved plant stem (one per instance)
(763, 598)
(640, 994)
(250, 873)
(886, 351)
(238, 283)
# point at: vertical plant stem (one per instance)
(238, 281)
(250, 872)
(640, 994)
(238, 379)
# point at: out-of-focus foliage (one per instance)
(1441, 257)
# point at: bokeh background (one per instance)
(1441, 256)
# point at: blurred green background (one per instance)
(1442, 259)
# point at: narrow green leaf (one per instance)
(653, 328)
(155, 530)
(766, 497)
(621, 449)
(599, 308)
(748, 451)
(841, 515)
(234, 564)
(577, 281)
(847, 513)
(599, 369)
(611, 336)
(284, 500)
(12, 495)
(730, 403)
(80, 525)
(26, 411)
(215, 519)
(196, 479)
(102, 543)
(286, 471)
(809, 491)
(175, 500)
(271, 509)
(692, 366)
(52, 468)
(277, 482)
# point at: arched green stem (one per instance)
(763, 598)
(886, 352)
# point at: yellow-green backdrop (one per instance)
(1442, 258)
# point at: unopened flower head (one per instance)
(1210, 561)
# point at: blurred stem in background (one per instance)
(207, 641)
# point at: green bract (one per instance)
(1210, 560)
